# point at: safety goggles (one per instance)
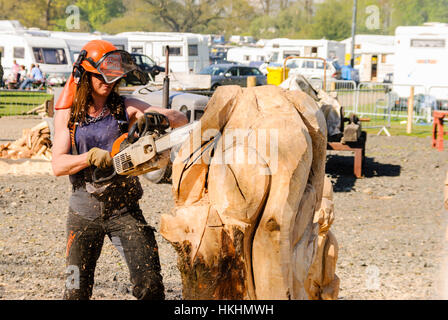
(115, 65)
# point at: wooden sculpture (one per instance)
(328, 102)
(252, 205)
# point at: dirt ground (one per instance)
(390, 226)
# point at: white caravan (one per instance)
(421, 60)
(11, 26)
(52, 55)
(189, 53)
(374, 56)
(76, 40)
(280, 49)
(246, 55)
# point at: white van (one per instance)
(52, 55)
(421, 58)
(246, 55)
(189, 53)
(314, 69)
(282, 48)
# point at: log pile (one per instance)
(35, 143)
(40, 110)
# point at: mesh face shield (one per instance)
(117, 64)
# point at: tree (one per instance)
(8, 9)
(188, 15)
(99, 12)
(417, 12)
(34, 13)
(239, 15)
(332, 20)
(266, 5)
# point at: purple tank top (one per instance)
(100, 134)
(124, 192)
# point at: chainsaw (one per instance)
(143, 149)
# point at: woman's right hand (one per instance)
(99, 158)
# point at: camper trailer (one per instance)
(11, 26)
(421, 58)
(189, 53)
(246, 55)
(374, 56)
(76, 40)
(280, 49)
(52, 55)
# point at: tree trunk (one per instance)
(249, 220)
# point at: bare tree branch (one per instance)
(184, 16)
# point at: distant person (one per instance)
(22, 74)
(16, 70)
(11, 81)
(349, 74)
(36, 76)
(346, 72)
(43, 75)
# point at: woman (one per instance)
(90, 116)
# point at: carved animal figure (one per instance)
(253, 207)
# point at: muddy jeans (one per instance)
(133, 238)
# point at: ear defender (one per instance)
(78, 70)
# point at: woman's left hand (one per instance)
(136, 108)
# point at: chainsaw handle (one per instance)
(131, 135)
(98, 175)
(153, 121)
(135, 130)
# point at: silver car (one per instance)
(192, 105)
(232, 74)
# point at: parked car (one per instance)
(147, 65)
(422, 103)
(192, 105)
(232, 74)
(314, 69)
(442, 104)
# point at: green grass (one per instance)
(367, 107)
(399, 129)
(17, 103)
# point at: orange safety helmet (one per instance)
(100, 57)
(95, 49)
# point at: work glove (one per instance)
(99, 158)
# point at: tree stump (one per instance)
(253, 207)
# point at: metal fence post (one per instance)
(410, 111)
